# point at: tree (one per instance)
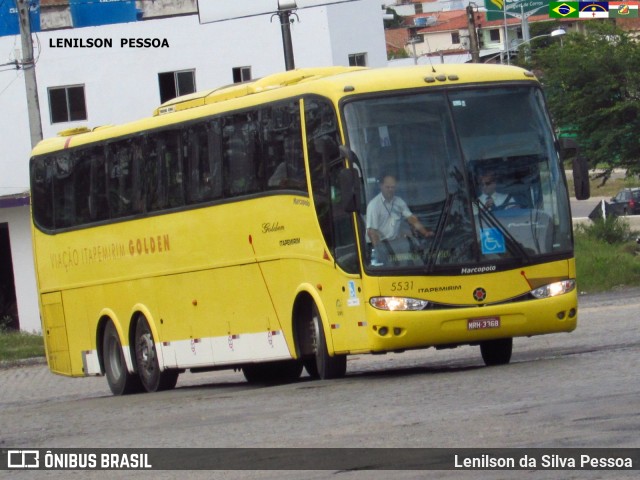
(396, 53)
(592, 83)
(397, 20)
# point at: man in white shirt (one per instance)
(385, 214)
(491, 198)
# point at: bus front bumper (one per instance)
(392, 331)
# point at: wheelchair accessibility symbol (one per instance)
(492, 241)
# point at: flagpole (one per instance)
(506, 32)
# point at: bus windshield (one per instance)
(474, 172)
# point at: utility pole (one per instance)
(29, 68)
(284, 14)
(473, 36)
(413, 41)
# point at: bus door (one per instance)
(345, 301)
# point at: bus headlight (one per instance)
(398, 303)
(553, 289)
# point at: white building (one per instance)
(114, 73)
(407, 8)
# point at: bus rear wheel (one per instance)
(496, 352)
(152, 378)
(326, 366)
(120, 381)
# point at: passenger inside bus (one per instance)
(290, 171)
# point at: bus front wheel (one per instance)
(153, 379)
(120, 381)
(496, 352)
(326, 366)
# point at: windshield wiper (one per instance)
(439, 233)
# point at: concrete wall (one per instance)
(354, 34)
(23, 269)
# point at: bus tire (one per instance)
(284, 371)
(311, 367)
(152, 378)
(326, 366)
(120, 381)
(496, 352)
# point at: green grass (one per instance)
(20, 345)
(607, 256)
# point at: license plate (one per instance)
(483, 323)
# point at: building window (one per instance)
(241, 74)
(358, 60)
(67, 104)
(175, 84)
(494, 34)
(418, 8)
(455, 38)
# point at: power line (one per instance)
(14, 63)
(9, 84)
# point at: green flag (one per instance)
(623, 9)
(563, 9)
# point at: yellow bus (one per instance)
(248, 226)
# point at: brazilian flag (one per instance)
(564, 9)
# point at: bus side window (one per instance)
(122, 178)
(151, 175)
(239, 155)
(63, 188)
(172, 165)
(42, 191)
(325, 165)
(213, 176)
(320, 143)
(271, 121)
(203, 160)
(192, 139)
(137, 158)
(82, 188)
(282, 145)
(98, 199)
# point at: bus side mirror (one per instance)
(349, 179)
(580, 167)
(581, 178)
(569, 147)
(350, 190)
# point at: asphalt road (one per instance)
(568, 390)
(580, 210)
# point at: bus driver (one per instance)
(490, 197)
(385, 213)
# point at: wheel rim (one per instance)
(146, 354)
(315, 332)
